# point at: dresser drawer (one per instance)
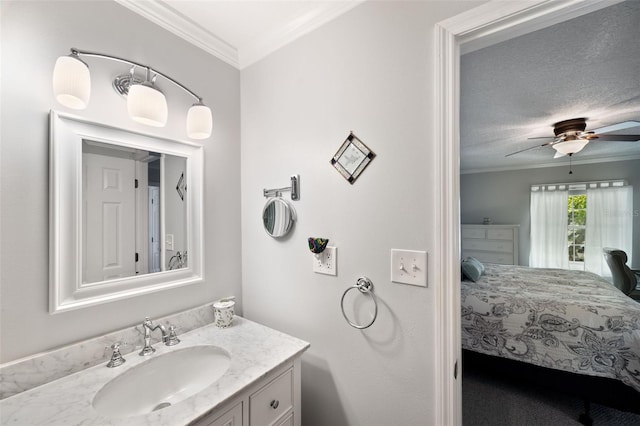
(500, 234)
(486, 257)
(268, 404)
(473, 233)
(488, 245)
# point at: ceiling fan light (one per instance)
(147, 105)
(199, 122)
(571, 147)
(72, 82)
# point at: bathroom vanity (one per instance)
(274, 400)
(258, 383)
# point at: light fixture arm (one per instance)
(78, 53)
(146, 104)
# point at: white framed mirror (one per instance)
(125, 213)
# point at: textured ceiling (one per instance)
(585, 67)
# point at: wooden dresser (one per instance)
(491, 243)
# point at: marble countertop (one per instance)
(255, 351)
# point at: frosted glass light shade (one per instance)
(571, 147)
(199, 122)
(71, 82)
(147, 105)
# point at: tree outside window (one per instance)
(577, 211)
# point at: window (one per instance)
(572, 222)
(577, 221)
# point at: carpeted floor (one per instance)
(488, 400)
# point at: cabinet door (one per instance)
(275, 399)
(233, 417)
(287, 421)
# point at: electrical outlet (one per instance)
(409, 267)
(326, 262)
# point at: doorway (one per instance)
(483, 26)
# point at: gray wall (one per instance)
(33, 35)
(370, 71)
(504, 196)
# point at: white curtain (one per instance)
(609, 224)
(549, 246)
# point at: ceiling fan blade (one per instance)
(618, 126)
(543, 137)
(618, 138)
(530, 148)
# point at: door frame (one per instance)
(485, 25)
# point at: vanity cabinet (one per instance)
(232, 417)
(272, 401)
(491, 243)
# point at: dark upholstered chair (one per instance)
(624, 278)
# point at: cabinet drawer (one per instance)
(272, 401)
(500, 246)
(473, 233)
(500, 234)
(483, 256)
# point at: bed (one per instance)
(573, 322)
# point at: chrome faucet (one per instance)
(148, 327)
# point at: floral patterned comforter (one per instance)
(568, 320)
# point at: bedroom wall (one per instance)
(33, 35)
(504, 196)
(370, 71)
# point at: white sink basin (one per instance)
(161, 381)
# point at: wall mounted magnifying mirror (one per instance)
(278, 217)
(125, 213)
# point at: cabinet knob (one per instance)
(274, 404)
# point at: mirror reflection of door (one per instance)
(155, 261)
(109, 205)
(123, 204)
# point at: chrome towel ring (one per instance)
(365, 286)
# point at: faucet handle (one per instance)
(116, 357)
(173, 338)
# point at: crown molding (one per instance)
(274, 40)
(168, 18)
(161, 13)
(564, 163)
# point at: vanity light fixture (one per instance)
(145, 103)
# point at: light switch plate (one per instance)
(168, 241)
(409, 267)
(326, 262)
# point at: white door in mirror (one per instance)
(109, 217)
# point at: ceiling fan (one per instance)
(571, 137)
